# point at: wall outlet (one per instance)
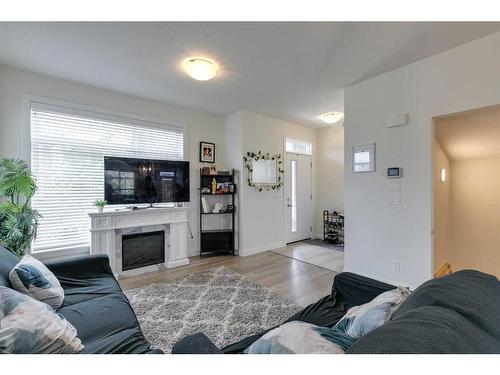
(395, 265)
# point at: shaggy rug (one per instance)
(219, 302)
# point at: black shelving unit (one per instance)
(333, 227)
(217, 241)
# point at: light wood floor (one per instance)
(324, 257)
(302, 282)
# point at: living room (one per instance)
(239, 187)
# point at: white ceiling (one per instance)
(291, 71)
(470, 135)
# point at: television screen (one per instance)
(132, 181)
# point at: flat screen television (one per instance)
(135, 181)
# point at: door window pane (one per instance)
(293, 171)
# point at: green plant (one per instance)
(18, 221)
(100, 203)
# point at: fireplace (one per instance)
(143, 249)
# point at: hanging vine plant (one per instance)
(260, 156)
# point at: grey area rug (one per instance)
(219, 302)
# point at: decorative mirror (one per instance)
(264, 170)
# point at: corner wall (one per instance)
(261, 214)
(378, 234)
(441, 209)
(15, 139)
(475, 215)
(330, 185)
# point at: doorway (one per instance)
(466, 182)
(298, 197)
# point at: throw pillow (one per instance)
(301, 338)
(31, 277)
(31, 326)
(360, 320)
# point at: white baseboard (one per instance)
(260, 249)
(139, 271)
(178, 263)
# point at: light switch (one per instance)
(395, 198)
(396, 185)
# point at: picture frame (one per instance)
(265, 171)
(207, 152)
(363, 158)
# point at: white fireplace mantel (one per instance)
(105, 226)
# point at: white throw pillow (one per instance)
(31, 277)
(360, 320)
(301, 338)
(31, 326)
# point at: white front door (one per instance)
(298, 197)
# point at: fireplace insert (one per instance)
(143, 249)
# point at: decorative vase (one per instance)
(214, 186)
(100, 209)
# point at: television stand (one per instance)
(108, 227)
(150, 205)
(134, 208)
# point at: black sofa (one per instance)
(458, 313)
(94, 303)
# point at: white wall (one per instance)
(261, 216)
(441, 209)
(15, 132)
(234, 153)
(475, 215)
(377, 234)
(330, 186)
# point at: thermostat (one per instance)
(394, 172)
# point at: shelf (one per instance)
(216, 175)
(213, 241)
(216, 252)
(217, 194)
(208, 231)
(217, 213)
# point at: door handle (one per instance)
(289, 205)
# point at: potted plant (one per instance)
(100, 203)
(18, 221)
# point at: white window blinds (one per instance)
(67, 160)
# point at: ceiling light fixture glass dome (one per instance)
(331, 117)
(200, 69)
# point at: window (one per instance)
(293, 168)
(67, 160)
(298, 147)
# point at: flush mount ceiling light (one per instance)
(200, 69)
(331, 117)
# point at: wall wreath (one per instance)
(265, 170)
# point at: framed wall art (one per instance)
(207, 152)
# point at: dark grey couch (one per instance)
(94, 303)
(458, 313)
